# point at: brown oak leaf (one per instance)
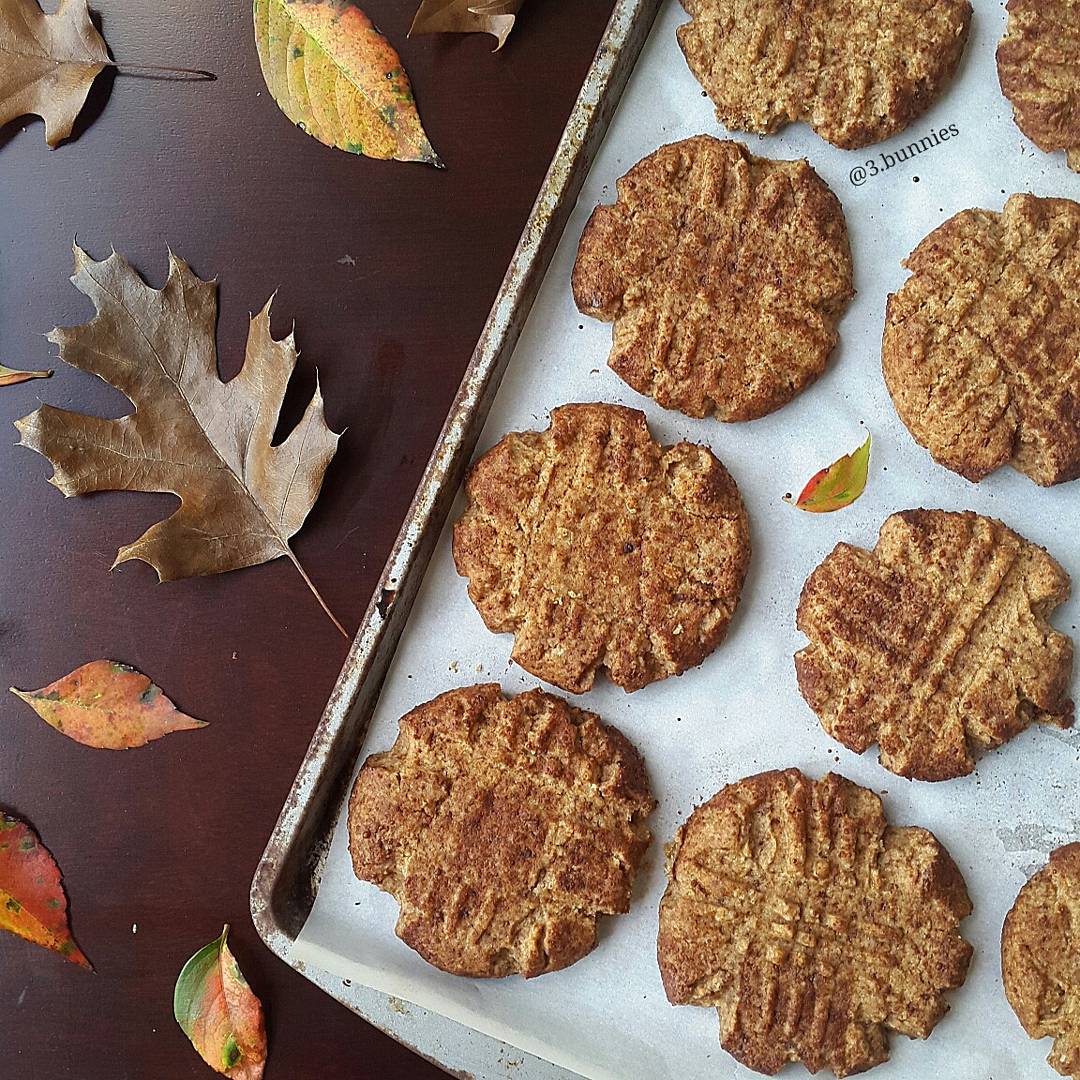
(204, 440)
(495, 17)
(47, 63)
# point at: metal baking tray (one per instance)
(607, 1016)
(288, 874)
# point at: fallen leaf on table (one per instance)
(839, 485)
(218, 1012)
(107, 705)
(337, 78)
(32, 900)
(47, 63)
(206, 441)
(495, 17)
(9, 376)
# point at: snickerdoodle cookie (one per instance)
(725, 275)
(857, 71)
(504, 828)
(1040, 957)
(598, 548)
(809, 923)
(935, 642)
(981, 351)
(1038, 62)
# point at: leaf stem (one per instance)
(315, 592)
(157, 69)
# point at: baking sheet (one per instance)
(740, 712)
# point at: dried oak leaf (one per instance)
(47, 63)
(191, 434)
(495, 17)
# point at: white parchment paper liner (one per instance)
(740, 712)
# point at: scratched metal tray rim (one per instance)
(289, 871)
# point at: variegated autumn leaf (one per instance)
(839, 485)
(495, 17)
(336, 77)
(11, 376)
(32, 900)
(107, 705)
(47, 63)
(218, 1012)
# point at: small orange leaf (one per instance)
(109, 706)
(10, 376)
(839, 485)
(32, 900)
(218, 1012)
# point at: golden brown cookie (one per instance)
(724, 273)
(504, 828)
(1040, 957)
(857, 71)
(935, 642)
(810, 923)
(982, 344)
(1038, 62)
(598, 548)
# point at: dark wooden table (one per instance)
(388, 270)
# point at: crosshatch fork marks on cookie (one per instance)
(981, 351)
(935, 643)
(809, 923)
(598, 548)
(724, 274)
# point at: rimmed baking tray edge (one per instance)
(288, 874)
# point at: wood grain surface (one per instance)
(388, 271)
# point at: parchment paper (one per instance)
(740, 712)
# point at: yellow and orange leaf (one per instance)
(109, 706)
(839, 485)
(216, 1009)
(32, 900)
(336, 77)
(10, 376)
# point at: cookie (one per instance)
(724, 274)
(935, 643)
(856, 72)
(1038, 63)
(504, 827)
(598, 548)
(809, 923)
(981, 351)
(1040, 957)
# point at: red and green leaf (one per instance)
(109, 706)
(32, 900)
(217, 1011)
(11, 376)
(839, 485)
